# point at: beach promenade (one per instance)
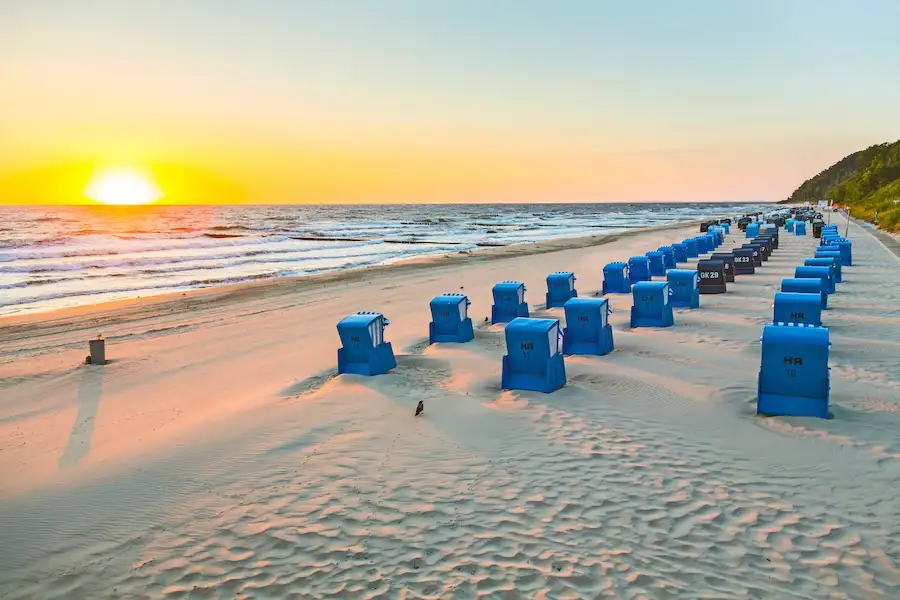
(218, 456)
(891, 241)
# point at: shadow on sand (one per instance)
(90, 389)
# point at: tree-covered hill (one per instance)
(867, 181)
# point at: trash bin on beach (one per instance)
(533, 360)
(794, 307)
(684, 286)
(651, 306)
(743, 261)
(509, 301)
(560, 288)
(822, 273)
(806, 286)
(668, 254)
(615, 279)
(450, 321)
(97, 350)
(728, 259)
(638, 269)
(587, 328)
(794, 378)
(655, 263)
(712, 276)
(364, 351)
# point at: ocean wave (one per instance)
(435, 221)
(143, 288)
(43, 269)
(223, 236)
(140, 234)
(86, 261)
(136, 261)
(165, 269)
(241, 227)
(328, 265)
(39, 282)
(183, 233)
(110, 246)
(53, 241)
(157, 288)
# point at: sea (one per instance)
(65, 256)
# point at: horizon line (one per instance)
(421, 203)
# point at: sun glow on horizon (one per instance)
(122, 187)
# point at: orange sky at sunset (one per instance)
(355, 175)
(432, 102)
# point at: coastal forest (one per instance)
(868, 181)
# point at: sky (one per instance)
(271, 101)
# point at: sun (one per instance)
(122, 187)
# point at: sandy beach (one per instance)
(218, 456)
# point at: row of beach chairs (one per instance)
(535, 347)
(794, 377)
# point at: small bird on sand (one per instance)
(420, 408)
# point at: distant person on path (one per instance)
(420, 408)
